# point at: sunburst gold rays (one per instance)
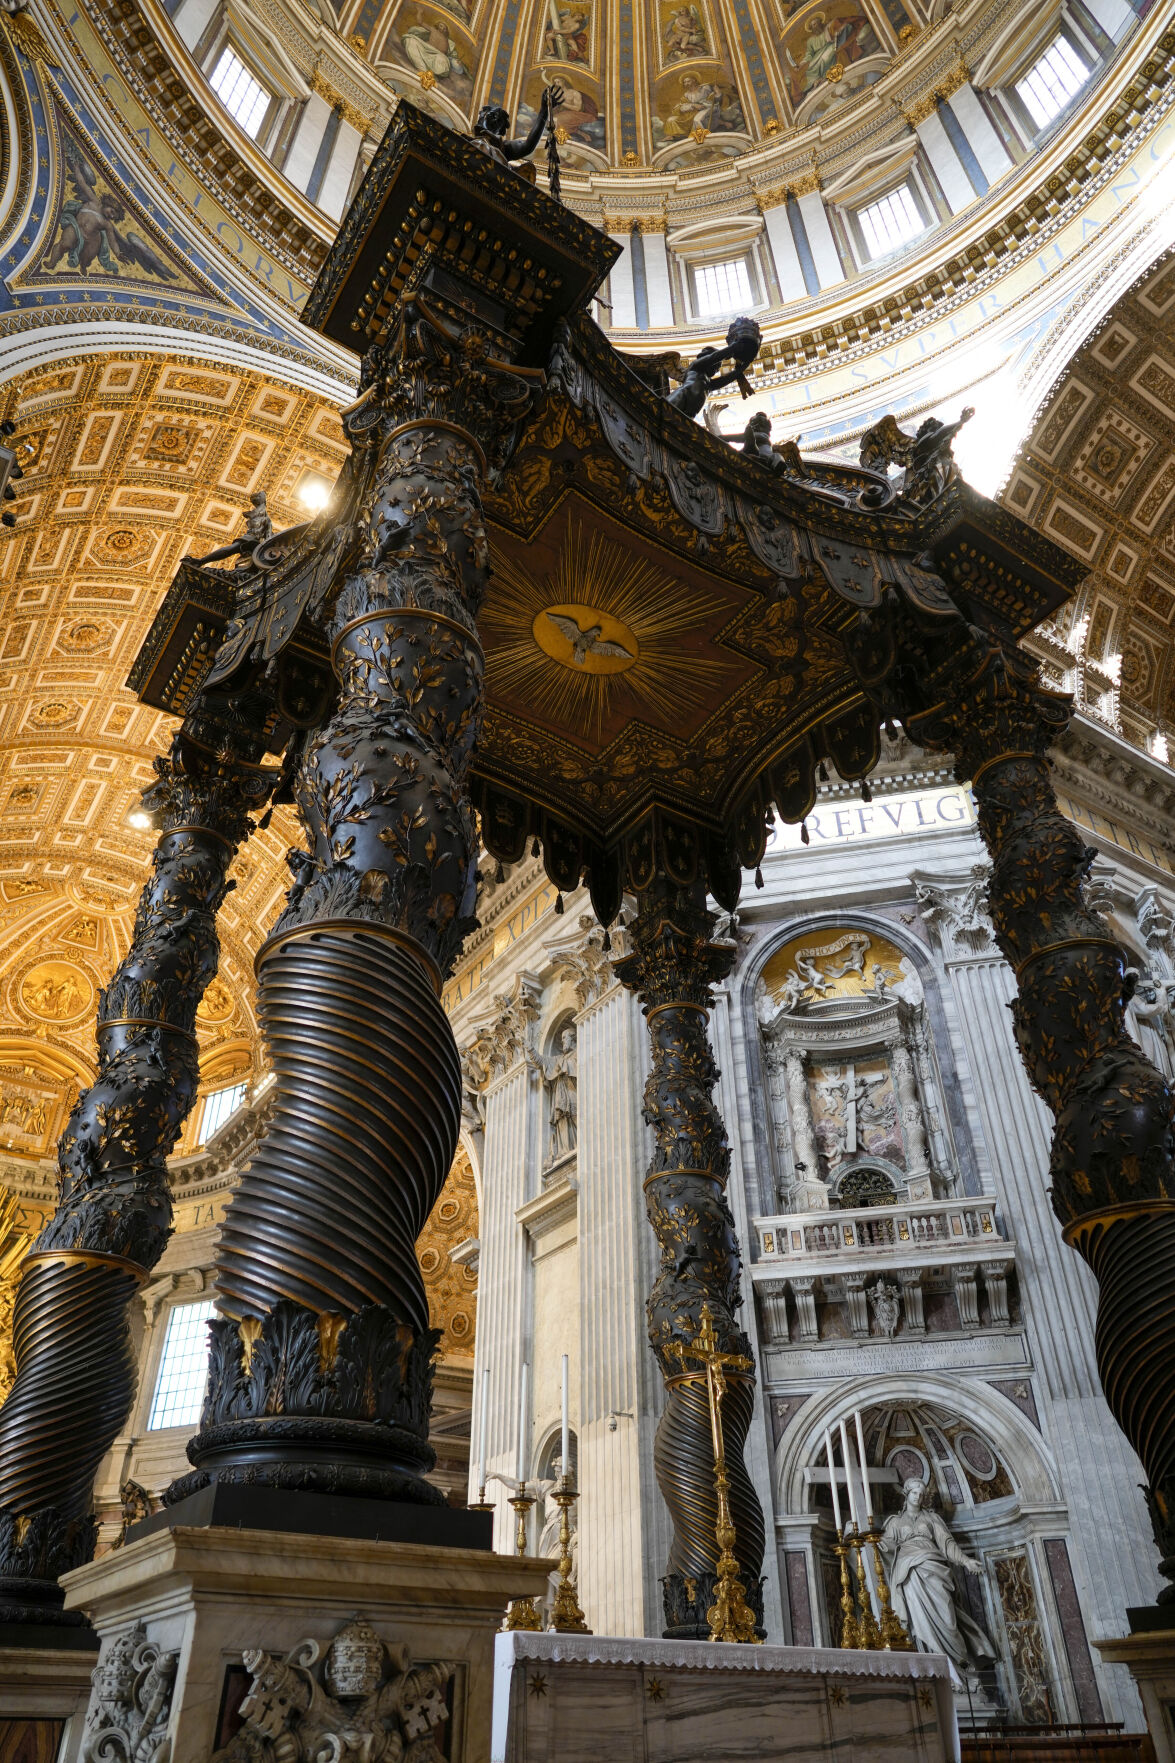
(582, 681)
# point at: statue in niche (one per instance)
(919, 1553)
(560, 1071)
(883, 1299)
(1149, 1005)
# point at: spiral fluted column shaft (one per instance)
(321, 1365)
(352, 1160)
(74, 1368)
(672, 969)
(1113, 1154)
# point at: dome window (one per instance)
(1052, 81)
(723, 290)
(890, 221)
(243, 97)
(218, 1107)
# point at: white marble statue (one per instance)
(919, 1552)
(560, 1071)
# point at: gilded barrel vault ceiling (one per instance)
(1097, 473)
(129, 462)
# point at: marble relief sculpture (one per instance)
(130, 1706)
(919, 1553)
(369, 1704)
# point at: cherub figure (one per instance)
(780, 456)
(703, 376)
(88, 227)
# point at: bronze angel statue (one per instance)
(89, 227)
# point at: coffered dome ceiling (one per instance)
(667, 83)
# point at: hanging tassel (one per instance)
(804, 833)
(559, 905)
(265, 819)
(822, 772)
(866, 792)
(891, 733)
(607, 942)
(536, 849)
(759, 882)
(499, 875)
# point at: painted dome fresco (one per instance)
(667, 83)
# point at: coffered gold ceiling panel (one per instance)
(129, 461)
(1097, 473)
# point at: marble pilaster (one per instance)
(624, 1528)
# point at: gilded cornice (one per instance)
(917, 109)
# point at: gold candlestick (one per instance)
(893, 1636)
(521, 1613)
(566, 1615)
(730, 1616)
(850, 1633)
(481, 1504)
(867, 1622)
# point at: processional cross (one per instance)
(730, 1616)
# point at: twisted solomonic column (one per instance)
(321, 1366)
(1113, 1180)
(75, 1371)
(672, 969)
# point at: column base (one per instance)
(233, 1504)
(238, 1626)
(1149, 1655)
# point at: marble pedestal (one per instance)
(1149, 1655)
(209, 1594)
(43, 1695)
(578, 1698)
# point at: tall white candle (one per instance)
(565, 1442)
(832, 1479)
(847, 1455)
(522, 1451)
(868, 1503)
(481, 1432)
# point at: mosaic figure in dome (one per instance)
(823, 45)
(422, 39)
(91, 228)
(683, 33)
(576, 113)
(919, 1553)
(694, 104)
(567, 32)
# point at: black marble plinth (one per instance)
(261, 1508)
